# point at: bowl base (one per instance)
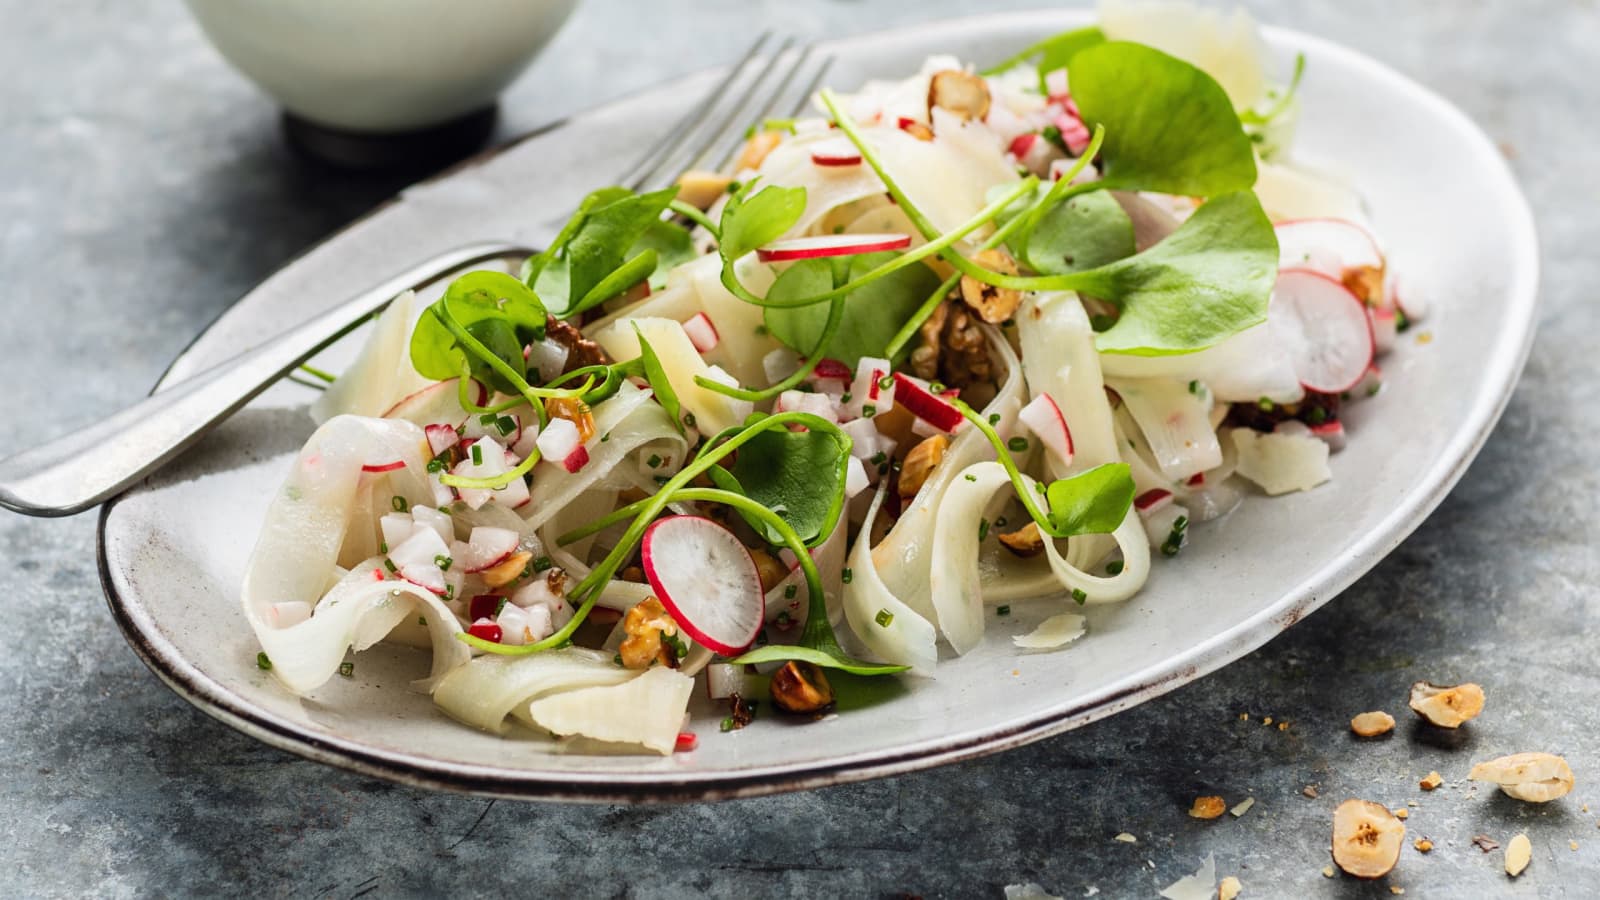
(428, 148)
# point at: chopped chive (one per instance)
(971, 477)
(886, 382)
(1003, 610)
(761, 330)
(543, 563)
(477, 455)
(399, 504)
(994, 419)
(844, 398)
(389, 564)
(654, 461)
(262, 662)
(1317, 415)
(436, 465)
(847, 575)
(727, 724)
(1194, 387)
(1114, 567)
(1265, 404)
(486, 419)
(868, 411)
(617, 659)
(790, 591)
(1017, 444)
(443, 562)
(1080, 596)
(688, 419)
(506, 424)
(983, 529)
(423, 621)
(936, 387)
(383, 546)
(883, 618)
(347, 669)
(879, 458)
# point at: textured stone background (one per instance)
(143, 186)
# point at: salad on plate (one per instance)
(976, 337)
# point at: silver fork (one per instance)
(53, 479)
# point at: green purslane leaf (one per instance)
(1087, 231)
(498, 310)
(1169, 126)
(754, 218)
(650, 368)
(672, 246)
(616, 239)
(1052, 53)
(798, 475)
(1094, 501)
(873, 312)
(1205, 282)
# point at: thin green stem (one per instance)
(317, 373)
(694, 214)
(829, 329)
(1029, 502)
(492, 482)
(533, 395)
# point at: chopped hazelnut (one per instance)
(508, 571)
(1372, 724)
(1366, 839)
(1446, 706)
(1327, 871)
(1423, 845)
(644, 626)
(1310, 790)
(800, 687)
(1518, 854)
(573, 410)
(771, 570)
(634, 574)
(920, 463)
(1208, 808)
(1024, 542)
(1366, 282)
(992, 304)
(1534, 777)
(917, 130)
(1402, 813)
(1431, 781)
(700, 189)
(756, 149)
(1229, 888)
(962, 93)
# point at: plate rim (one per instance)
(1508, 358)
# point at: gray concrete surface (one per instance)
(143, 186)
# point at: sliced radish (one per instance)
(1074, 133)
(706, 579)
(486, 548)
(1043, 417)
(559, 442)
(831, 245)
(1022, 143)
(1152, 501)
(1327, 326)
(1371, 382)
(441, 437)
(1330, 433)
(438, 402)
(1385, 328)
(1328, 246)
(723, 680)
(390, 466)
(835, 153)
(924, 404)
(291, 612)
(702, 333)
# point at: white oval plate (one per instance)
(172, 551)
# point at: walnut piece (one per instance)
(920, 463)
(700, 189)
(573, 410)
(1208, 808)
(1372, 724)
(1366, 838)
(1533, 777)
(962, 93)
(644, 625)
(510, 570)
(992, 304)
(1446, 706)
(756, 149)
(1025, 541)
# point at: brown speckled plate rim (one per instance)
(1509, 354)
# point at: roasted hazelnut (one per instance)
(917, 130)
(992, 304)
(1446, 706)
(756, 149)
(920, 463)
(508, 571)
(1366, 838)
(1534, 777)
(771, 570)
(1208, 808)
(1024, 542)
(1366, 282)
(800, 687)
(962, 93)
(1372, 724)
(700, 189)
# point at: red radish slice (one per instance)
(486, 548)
(486, 630)
(835, 153)
(924, 404)
(706, 579)
(702, 333)
(439, 402)
(1043, 417)
(385, 466)
(1331, 336)
(832, 368)
(1151, 501)
(576, 460)
(1385, 328)
(441, 437)
(685, 743)
(1328, 246)
(559, 443)
(831, 245)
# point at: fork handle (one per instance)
(75, 472)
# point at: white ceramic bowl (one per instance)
(380, 65)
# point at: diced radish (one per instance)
(559, 443)
(418, 559)
(706, 580)
(1327, 325)
(868, 395)
(835, 153)
(831, 245)
(396, 528)
(1043, 417)
(438, 402)
(441, 437)
(1022, 143)
(924, 404)
(807, 402)
(702, 333)
(865, 439)
(486, 630)
(1074, 133)
(290, 613)
(548, 358)
(1385, 328)
(441, 523)
(855, 477)
(1371, 382)
(1409, 301)
(780, 364)
(486, 548)
(685, 742)
(1149, 502)
(442, 494)
(487, 459)
(1330, 433)
(723, 680)
(1328, 246)
(1161, 527)
(390, 466)
(484, 606)
(1198, 479)
(832, 368)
